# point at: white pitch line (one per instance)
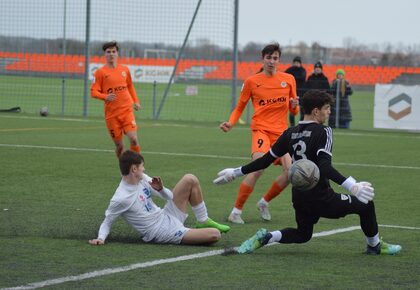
(192, 155)
(110, 271)
(342, 133)
(399, 227)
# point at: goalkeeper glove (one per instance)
(228, 175)
(363, 191)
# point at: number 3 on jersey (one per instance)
(299, 149)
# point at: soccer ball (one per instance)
(43, 111)
(304, 174)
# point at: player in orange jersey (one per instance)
(112, 83)
(273, 95)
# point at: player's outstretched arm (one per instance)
(227, 175)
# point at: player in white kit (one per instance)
(133, 201)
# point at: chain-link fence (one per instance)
(182, 55)
(48, 48)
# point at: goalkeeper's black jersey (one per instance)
(307, 140)
(313, 141)
(304, 141)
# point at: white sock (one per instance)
(373, 241)
(263, 201)
(236, 211)
(276, 237)
(200, 212)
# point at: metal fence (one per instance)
(48, 50)
(183, 56)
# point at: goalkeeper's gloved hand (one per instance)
(363, 191)
(228, 175)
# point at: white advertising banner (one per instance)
(142, 73)
(397, 107)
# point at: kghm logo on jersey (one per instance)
(272, 101)
(120, 88)
(283, 84)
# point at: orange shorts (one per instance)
(262, 141)
(121, 124)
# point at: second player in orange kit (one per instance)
(273, 95)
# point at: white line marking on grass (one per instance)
(399, 227)
(192, 155)
(377, 165)
(110, 271)
(103, 122)
(55, 148)
(413, 134)
(54, 118)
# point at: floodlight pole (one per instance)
(63, 82)
(87, 59)
(235, 57)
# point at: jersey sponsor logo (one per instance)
(304, 133)
(283, 84)
(124, 74)
(272, 101)
(116, 89)
(120, 89)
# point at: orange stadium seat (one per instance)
(54, 63)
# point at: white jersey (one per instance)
(134, 203)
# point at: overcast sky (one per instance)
(327, 22)
(330, 21)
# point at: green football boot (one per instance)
(383, 248)
(209, 223)
(261, 238)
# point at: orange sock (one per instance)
(135, 148)
(243, 194)
(274, 190)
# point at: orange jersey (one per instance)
(270, 97)
(117, 81)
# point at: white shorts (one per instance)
(172, 229)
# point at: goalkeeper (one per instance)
(312, 140)
(133, 201)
